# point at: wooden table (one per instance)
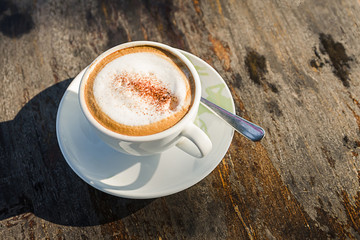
(291, 66)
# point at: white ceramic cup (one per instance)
(184, 134)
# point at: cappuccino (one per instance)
(139, 90)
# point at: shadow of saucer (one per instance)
(34, 176)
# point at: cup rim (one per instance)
(180, 125)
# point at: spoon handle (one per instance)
(246, 128)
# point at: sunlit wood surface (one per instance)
(291, 66)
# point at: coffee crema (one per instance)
(139, 90)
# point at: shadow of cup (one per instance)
(34, 177)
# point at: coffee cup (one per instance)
(141, 98)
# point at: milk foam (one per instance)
(127, 89)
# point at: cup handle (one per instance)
(194, 141)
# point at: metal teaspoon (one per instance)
(244, 127)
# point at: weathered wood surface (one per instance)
(292, 67)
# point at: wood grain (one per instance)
(292, 67)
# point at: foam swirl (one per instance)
(140, 88)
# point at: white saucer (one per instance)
(143, 177)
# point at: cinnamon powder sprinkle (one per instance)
(148, 87)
